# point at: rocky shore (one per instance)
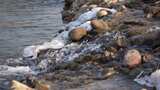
(107, 45)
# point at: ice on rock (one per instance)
(61, 40)
(155, 77)
(72, 25)
(151, 81)
(56, 43)
(73, 51)
(19, 70)
(30, 51)
(82, 20)
(87, 26)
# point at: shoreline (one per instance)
(113, 48)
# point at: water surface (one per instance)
(27, 22)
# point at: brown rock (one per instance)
(102, 13)
(19, 86)
(121, 41)
(152, 11)
(150, 39)
(118, 14)
(68, 16)
(111, 1)
(137, 30)
(147, 57)
(42, 86)
(132, 58)
(77, 34)
(100, 26)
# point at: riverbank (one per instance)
(118, 42)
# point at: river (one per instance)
(27, 22)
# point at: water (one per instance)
(27, 22)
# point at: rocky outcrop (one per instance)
(107, 41)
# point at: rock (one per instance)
(155, 78)
(77, 34)
(152, 11)
(137, 30)
(100, 26)
(122, 41)
(102, 13)
(42, 86)
(150, 39)
(132, 58)
(68, 16)
(84, 17)
(149, 1)
(111, 1)
(110, 53)
(93, 6)
(147, 57)
(19, 86)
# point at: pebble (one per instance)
(132, 58)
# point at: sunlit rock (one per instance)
(132, 58)
(77, 34)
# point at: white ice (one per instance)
(151, 81)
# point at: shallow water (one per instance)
(27, 22)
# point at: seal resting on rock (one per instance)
(77, 34)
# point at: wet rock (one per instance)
(68, 4)
(116, 20)
(149, 1)
(110, 72)
(147, 57)
(100, 26)
(132, 58)
(150, 39)
(77, 34)
(111, 1)
(19, 86)
(68, 16)
(137, 30)
(93, 6)
(102, 13)
(121, 41)
(95, 1)
(152, 11)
